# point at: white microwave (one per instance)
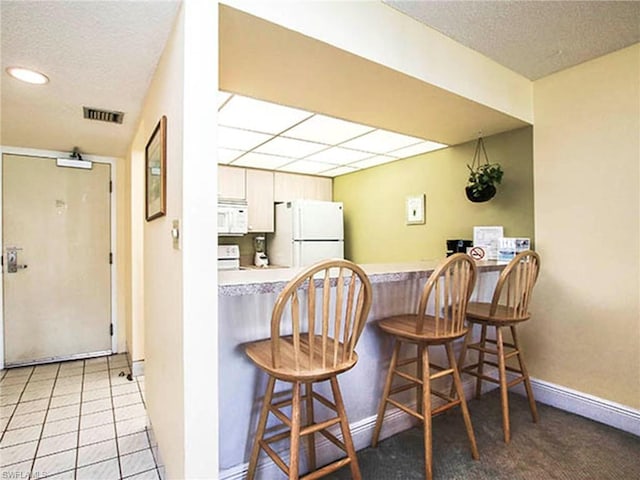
(233, 218)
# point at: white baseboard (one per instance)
(137, 368)
(589, 406)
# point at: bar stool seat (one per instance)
(439, 321)
(323, 311)
(509, 307)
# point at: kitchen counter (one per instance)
(245, 303)
(255, 280)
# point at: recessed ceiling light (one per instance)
(26, 75)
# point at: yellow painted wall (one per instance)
(374, 201)
(585, 333)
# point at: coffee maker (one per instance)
(259, 245)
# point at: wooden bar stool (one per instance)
(315, 325)
(509, 306)
(447, 293)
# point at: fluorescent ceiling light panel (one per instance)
(338, 156)
(331, 131)
(334, 172)
(226, 155)
(381, 141)
(262, 160)
(259, 116)
(417, 149)
(288, 147)
(373, 161)
(304, 166)
(237, 139)
(222, 97)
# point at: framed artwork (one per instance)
(155, 162)
(415, 206)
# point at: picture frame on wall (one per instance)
(155, 159)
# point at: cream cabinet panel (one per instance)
(291, 186)
(260, 200)
(231, 182)
(318, 188)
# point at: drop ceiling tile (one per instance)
(237, 139)
(338, 156)
(417, 149)
(288, 147)
(222, 97)
(334, 172)
(304, 166)
(262, 160)
(373, 161)
(226, 155)
(323, 129)
(259, 116)
(381, 141)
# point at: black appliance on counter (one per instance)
(458, 246)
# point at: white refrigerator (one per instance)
(306, 231)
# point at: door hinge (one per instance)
(110, 186)
(111, 329)
(110, 258)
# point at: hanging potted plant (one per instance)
(483, 177)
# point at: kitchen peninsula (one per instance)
(245, 302)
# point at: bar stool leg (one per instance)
(419, 375)
(463, 401)
(462, 358)
(504, 394)
(426, 414)
(311, 441)
(294, 449)
(385, 393)
(525, 374)
(262, 422)
(480, 370)
(346, 432)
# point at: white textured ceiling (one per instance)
(99, 54)
(103, 54)
(533, 38)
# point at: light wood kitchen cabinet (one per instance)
(231, 183)
(291, 186)
(259, 187)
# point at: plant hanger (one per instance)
(483, 176)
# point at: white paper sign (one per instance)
(488, 237)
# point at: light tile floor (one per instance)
(76, 420)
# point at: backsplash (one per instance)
(245, 243)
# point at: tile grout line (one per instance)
(113, 413)
(44, 420)
(15, 407)
(75, 466)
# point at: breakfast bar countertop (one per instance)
(269, 280)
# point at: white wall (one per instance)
(585, 333)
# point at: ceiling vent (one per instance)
(103, 115)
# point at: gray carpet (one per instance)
(561, 446)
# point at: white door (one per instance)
(56, 260)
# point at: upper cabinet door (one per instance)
(260, 200)
(292, 186)
(231, 183)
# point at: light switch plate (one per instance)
(415, 207)
(175, 234)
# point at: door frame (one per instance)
(111, 161)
